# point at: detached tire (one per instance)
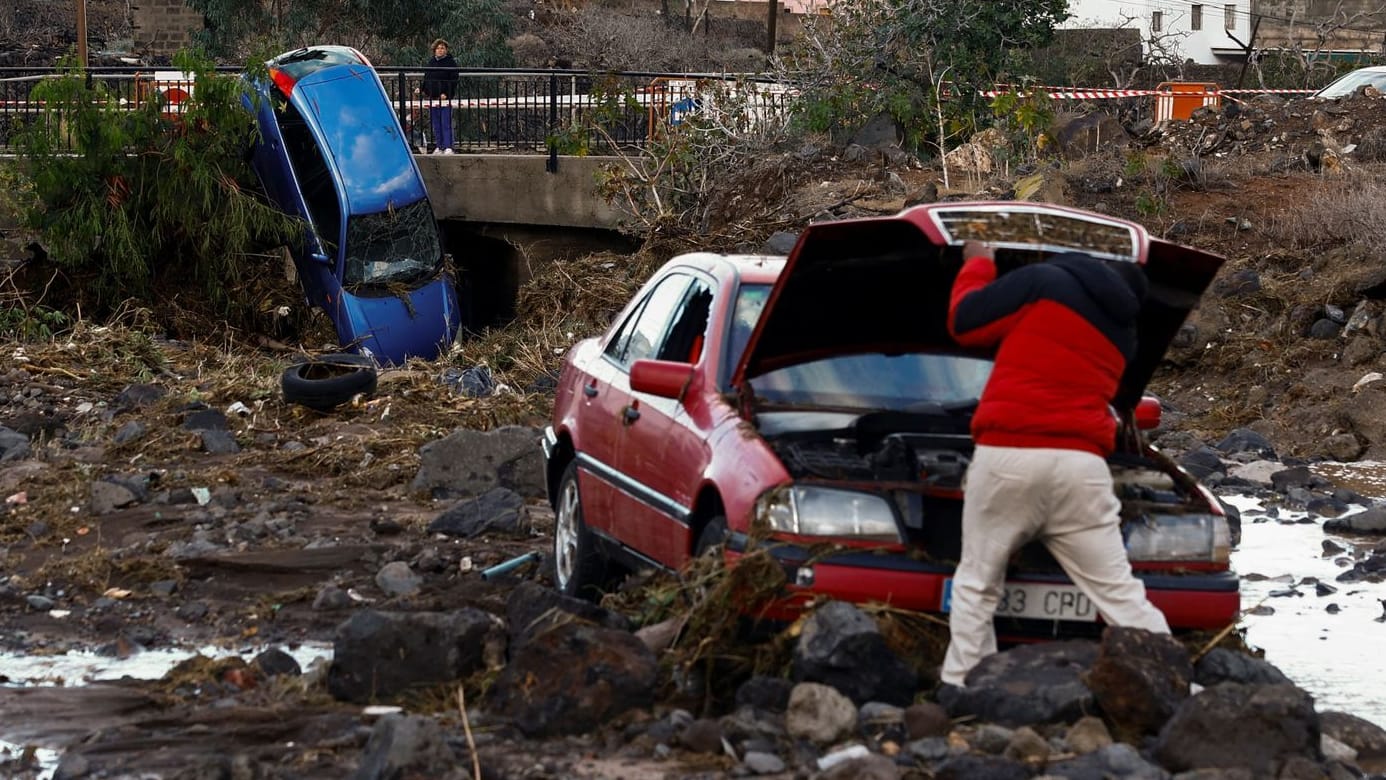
(327, 381)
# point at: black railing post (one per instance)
(403, 86)
(552, 165)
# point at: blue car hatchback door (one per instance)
(331, 152)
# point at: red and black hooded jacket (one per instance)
(1064, 330)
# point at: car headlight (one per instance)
(808, 510)
(1202, 538)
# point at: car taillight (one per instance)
(284, 81)
(1202, 538)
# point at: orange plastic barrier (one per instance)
(1179, 99)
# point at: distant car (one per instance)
(331, 151)
(1350, 82)
(817, 404)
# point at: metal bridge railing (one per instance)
(493, 111)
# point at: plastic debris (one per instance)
(474, 382)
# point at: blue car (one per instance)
(331, 151)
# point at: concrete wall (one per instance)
(1301, 22)
(516, 189)
(162, 27)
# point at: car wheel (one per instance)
(327, 381)
(579, 569)
(714, 534)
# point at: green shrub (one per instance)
(147, 203)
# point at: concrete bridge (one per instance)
(505, 216)
(518, 189)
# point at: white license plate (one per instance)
(1037, 601)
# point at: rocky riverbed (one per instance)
(184, 515)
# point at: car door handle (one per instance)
(631, 414)
(590, 389)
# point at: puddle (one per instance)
(1335, 657)
(81, 667)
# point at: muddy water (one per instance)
(77, 668)
(1335, 656)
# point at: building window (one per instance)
(1196, 17)
(1229, 17)
(1157, 21)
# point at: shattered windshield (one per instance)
(395, 246)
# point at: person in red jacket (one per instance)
(1063, 331)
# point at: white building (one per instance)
(1207, 33)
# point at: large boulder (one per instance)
(1028, 685)
(469, 462)
(842, 646)
(1252, 727)
(1139, 679)
(572, 676)
(378, 655)
(1080, 135)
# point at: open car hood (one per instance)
(883, 284)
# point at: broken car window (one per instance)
(644, 331)
(395, 246)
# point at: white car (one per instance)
(1348, 83)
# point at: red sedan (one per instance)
(819, 399)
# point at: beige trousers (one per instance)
(1065, 499)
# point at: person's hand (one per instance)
(973, 249)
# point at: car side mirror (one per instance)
(663, 378)
(1148, 413)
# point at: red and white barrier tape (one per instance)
(1057, 93)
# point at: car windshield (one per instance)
(395, 246)
(1348, 84)
(875, 381)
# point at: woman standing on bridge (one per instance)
(440, 83)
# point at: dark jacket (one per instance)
(440, 77)
(1064, 331)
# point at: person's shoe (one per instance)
(437, 151)
(447, 151)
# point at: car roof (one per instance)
(757, 269)
(749, 269)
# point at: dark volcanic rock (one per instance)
(1221, 665)
(377, 655)
(841, 646)
(1139, 679)
(589, 675)
(1248, 726)
(1027, 685)
(496, 510)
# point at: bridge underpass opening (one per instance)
(494, 261)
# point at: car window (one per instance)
(910, 382)
(397, 246)
(684, 342)
(750, 302)
(643, 332)
(314, 178)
